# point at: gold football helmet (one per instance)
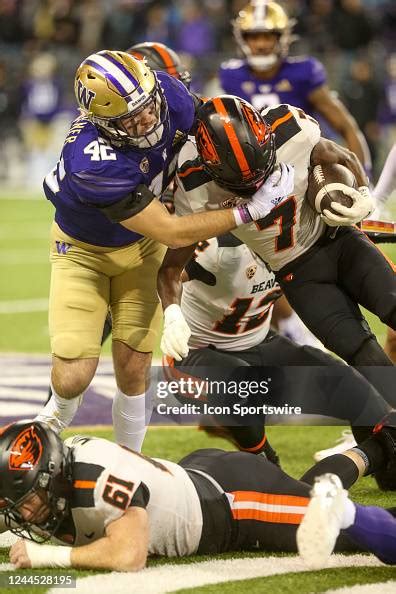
(123, 98)
(263, 16)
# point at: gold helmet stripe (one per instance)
(259, 9)
(114, 71)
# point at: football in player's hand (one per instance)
(325, 186)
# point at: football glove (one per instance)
(279, 185)
(176, 333)
(363, 205)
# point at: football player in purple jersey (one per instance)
(266, 75)
(110, 230)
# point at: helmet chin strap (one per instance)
(262, 62)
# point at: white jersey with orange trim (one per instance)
(229, 301)
(107, 479)
(292, 226)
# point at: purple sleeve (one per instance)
(100, 189)
(316, 74)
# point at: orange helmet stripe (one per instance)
(232, 137)
(282, 120)
(166, 58)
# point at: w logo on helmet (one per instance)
(26, 450)
(84, 95)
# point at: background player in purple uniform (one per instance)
(267, 76)
(106, 245)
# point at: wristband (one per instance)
(42, 555)
(241, 215)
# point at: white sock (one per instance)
(129, 420)
(349, 513)
(61, 410)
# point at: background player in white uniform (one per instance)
(227, 301)
(110, 507)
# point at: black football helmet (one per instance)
(161, 57)
(235, 144)
(33, 459)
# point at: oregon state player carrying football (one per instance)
(106, 244)
(266, 75)
(109, 507)
(324, 272)
(227, 301)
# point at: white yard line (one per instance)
(23, 306)
(169, 578)
(383, 587)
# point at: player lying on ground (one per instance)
(226, 302)
(111, 507)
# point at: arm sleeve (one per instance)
(316, 75)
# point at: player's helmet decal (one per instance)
(159, 56)
(84, 95)
(34, 460)
(235, 144)
(206, 145)
(26, 450)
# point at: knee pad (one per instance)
(68, 345)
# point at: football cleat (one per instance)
(321, 525)
(52, 422)
(343, 443)
(385, 433)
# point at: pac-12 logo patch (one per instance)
(26, 450)
(84, 95)
(251, 270)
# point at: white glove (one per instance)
(279, 185)
(176, 333)
(363, 205)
